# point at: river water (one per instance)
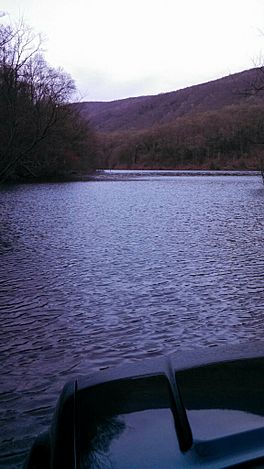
(124, 267)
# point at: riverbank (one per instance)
(123, 174)
(57, 178)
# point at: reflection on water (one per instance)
(99, 273)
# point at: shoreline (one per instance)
(113, 174)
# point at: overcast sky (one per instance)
(119, 48)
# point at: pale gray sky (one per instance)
(119, 48)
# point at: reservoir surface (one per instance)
(127, 266)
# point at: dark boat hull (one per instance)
(199, 408)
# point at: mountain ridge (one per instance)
(144, 112)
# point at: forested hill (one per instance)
(148, 111)
(215, 125)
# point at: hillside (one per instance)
(215, 125)
(148, 111)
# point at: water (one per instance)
(99, 273)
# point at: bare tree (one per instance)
(255, 88)
(33, 96)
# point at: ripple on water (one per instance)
(97, 274)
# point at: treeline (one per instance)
(41, 135)
(229, 138)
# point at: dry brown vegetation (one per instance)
(216, 125)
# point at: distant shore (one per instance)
(123, 174)
(126, 173)
(58, 178)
